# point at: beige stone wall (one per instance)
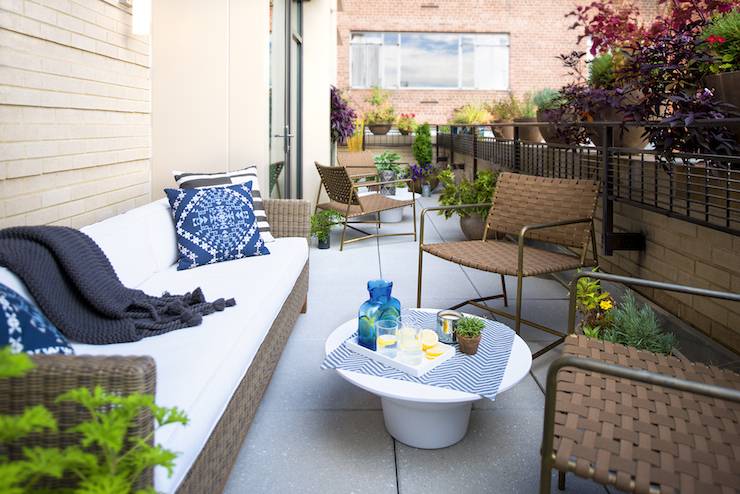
(74, 112)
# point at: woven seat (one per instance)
(643, 438)
(501, 257)
(552, 210)
(345, 200)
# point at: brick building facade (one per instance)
(537, 33)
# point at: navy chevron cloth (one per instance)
(478, 374)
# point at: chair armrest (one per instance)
(444, 208)
(527, 228)
(288, 217)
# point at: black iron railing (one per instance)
(699, 188)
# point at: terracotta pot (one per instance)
(726, 87)
(468, 345)
(472, 227)
(416, 184)
(629, 137)
(379, 129)
(528, 134)
(503, 132)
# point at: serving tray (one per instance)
(414, 370)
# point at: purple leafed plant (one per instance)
(342, 117)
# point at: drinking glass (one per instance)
(387, 331)
(409, 340)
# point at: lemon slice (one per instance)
(385, 340)
(436, 350)
(428, 339)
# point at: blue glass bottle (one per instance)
(380, 306)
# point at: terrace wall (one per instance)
(74, 112)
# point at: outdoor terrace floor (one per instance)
(314, 432)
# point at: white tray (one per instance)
(413, 370)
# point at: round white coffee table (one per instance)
(425, 416)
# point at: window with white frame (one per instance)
(429, 60)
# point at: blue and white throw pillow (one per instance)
(215, 224)
(25, 328)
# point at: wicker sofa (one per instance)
(216, 372)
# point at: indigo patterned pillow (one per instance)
(25, 328)
(215, 224)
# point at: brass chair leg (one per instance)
(503, 288)
(378, 213)
(518, 319)
(561, 480)
(344, 230)
(418, 286)
(413, 206)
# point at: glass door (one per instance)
(286, 51)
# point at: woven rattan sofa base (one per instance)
(642, 438)
(211, 469)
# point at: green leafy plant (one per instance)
(638, 326)
(595, 305)
(381, 112)
(601, 72)
(107, 460)
(407, 122)
(722, 38)
(527, 108)
(469, 327)
(547, 99)
(505, 108)
(388, 161)
(422, 147)
(477, 191)
(321, 224)
(470, 114)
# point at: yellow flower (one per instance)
(606, 304)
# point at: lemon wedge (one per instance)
(436, 350)
(428, 339)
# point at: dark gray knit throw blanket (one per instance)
(76, 287)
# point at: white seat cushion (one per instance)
(198, 369)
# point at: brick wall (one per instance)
(538, 33)
(74, 112)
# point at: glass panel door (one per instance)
(285, 98)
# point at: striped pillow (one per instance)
(187, 180)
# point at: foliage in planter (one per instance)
(722, 38)
(547, 99)
(525, 108)
(469, 327)
(422, 172)
(342, 117)
(470, 114)
(625, 322)
(407, 122)
(321, 224)
(389, 161)
(478, 191)
(422, 147)
(505, 108)
(381, 112)
(107, 460)
(601, 71)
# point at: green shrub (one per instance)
(547, 99)
(422, 147)
(527, 108)
(504, 109)
(478, 191)
(469, 327)
(321, 224)
(638, 327)
(381, 111)
(601, 72)
(470, 114)
(722, 38)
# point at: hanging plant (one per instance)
(342, 117)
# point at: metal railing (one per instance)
(700, 188)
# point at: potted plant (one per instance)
(468, 333)
(722, 38)
(478, 191)
(526, 112)
(422, 174)
(502, 112)
(342, 121)
(423, 153)
(381, 115)
(406, 123)
(547, 101)
(321, 224)
(470, 114)
(389, 169)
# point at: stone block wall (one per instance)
(74, 112)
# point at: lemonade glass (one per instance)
(387, 334)
(409, 341)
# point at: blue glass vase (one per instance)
(380, 306)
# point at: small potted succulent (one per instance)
(321, 224)
(407, 123)
(381, 115)
(468, 332)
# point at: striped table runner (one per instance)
(478, 374)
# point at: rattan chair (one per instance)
(345, 200)
(643, 422)
(551, 210)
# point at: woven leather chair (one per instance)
(551, 210)
(344, 200)
(642, 422)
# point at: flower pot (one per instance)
(549, 132)
(426, 190)
(528, 134)
(726, 87)
(503, 132)
(325, 244)
(404, 132)
(379, 129)
(628, 137)
(433, 183)
(388, 176)
(468, 346)
(472, 227)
